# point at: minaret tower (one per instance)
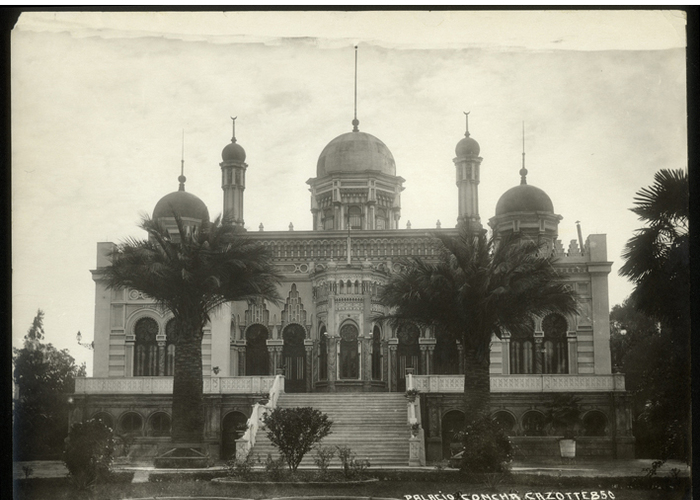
(467, 166)
(233, 169)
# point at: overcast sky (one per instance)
(100, 100)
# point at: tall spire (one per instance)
(182, 177)
(233, 121)
(466, 117)
(355, 121)
(523, 170)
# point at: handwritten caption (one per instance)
(530, 495)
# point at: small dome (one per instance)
(233, 152)
(183, 204)
(467, 147)
(355, 152)
(524, 198)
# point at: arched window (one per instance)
(159, 424)
(131, 423)
(105, 418)
(146, 348)
(257, 359)
(349, 357)
(452, 426)
(595, 423)
(323, 354)
(522, 349)
(505, 421)
(355, 217)
(533, 424)
(170, 348)
(555, 359)
(381, 219)
(328, 219)
(376, 353)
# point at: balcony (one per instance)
(164, 385)
(526, 383)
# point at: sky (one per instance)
(100, 101)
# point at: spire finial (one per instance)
(182, 177)
(233, 121)
(355, 121)
(466, 117)
(523, 170)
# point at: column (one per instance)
(505, 353)
(241, 361)
(129, 359)
(393, 377)
(308, 346)
(367, 362)
(161, 358)
(539, 354)
(460, 349)
(431, 360)
(572, 352)
(332, 359)
(423, 368)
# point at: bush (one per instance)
(324, 455)
(486, 447)
(294, 431)
(242, 469)
(352, 467)
(88, 453)
(273, 466)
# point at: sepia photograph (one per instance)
(350, 254)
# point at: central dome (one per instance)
(182, 203)
(524, 198)
(355, 152)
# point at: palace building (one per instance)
(324, 341)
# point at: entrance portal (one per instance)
(257, 359)
(294, 357)
(232, 428)
(408, 353)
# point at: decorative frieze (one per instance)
(164, 385)
(526, 383)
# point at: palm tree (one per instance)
(478, 287)
(191, 273)
(657, 257)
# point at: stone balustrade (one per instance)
(526, 383)
(164, 385)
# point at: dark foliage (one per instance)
(477, 288)
(563, 414)
(487, 448)
(88, 453)
(191, 273)
(657, 377)
(294, 431)
(45, 378)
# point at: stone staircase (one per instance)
(374, 425)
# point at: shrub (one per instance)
(88, 453)
(486, 447)
(294, 431)
(273, 466)
(352, 467)
(241, 469)
(324, 455)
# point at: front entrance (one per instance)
(294, 358)
(232, 428)
(408, 353)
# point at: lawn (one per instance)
(514, 488)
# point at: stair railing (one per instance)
(416, 441)
(246, 442)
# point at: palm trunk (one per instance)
(188, 413)
(477, 386)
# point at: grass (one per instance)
(61, 489)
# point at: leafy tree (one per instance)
(657, 257)
(294, 431)
(478, 288)
(657, 261)
(45, 378)
(657, 380)
(192, 273)
(88, 453)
